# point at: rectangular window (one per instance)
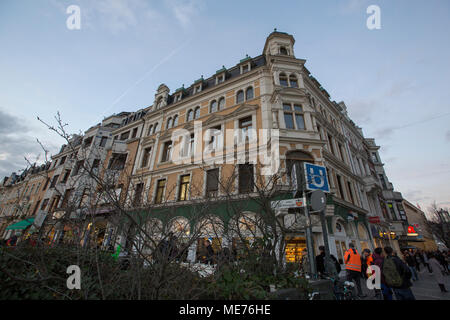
(184, 187)
(138, 194)
(78, 166)
(118, 161)
(383, 181)
(293, 112)
(299, 121)
(246, 179)
(134, 133)
(63, 159)
(374, 157)
(54, 181)
(66, 197)
(289, 121)
(330, 143)
(44, 204)
(342, 151)
(88, 141)
(103, 141)
(84, 197)
(146, 157)
(245, 126)
(46, 184)
(96, 163)
(212, 182)
(66, 176)
(341, 189)
(124, 136)
(160, 191)
(167, 151)
(350, 191)
(215, 137)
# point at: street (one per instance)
(426, 288)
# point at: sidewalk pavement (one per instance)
(426, 288)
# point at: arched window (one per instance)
(240, 96)
(175, 120)
(155, 127)
(190, 115)
(249, 93)
(293, 81)
(283, 80)
(169, 123)
(150, 129)
(213, 107)
(221, 103)
(197, 113)
(283, 51)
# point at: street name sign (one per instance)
(288, 203)
(316, 177)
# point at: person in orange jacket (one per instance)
(352, 261)
(366, 261)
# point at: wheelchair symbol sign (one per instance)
(316, 177)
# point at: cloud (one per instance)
(17, 142)
(447, 136)
(399, 88)
(185, 11)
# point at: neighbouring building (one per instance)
(419, 233)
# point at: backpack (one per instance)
(391, 274)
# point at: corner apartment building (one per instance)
(272, 91)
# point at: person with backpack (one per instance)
(397, 275)
(378, 260)
(352, 261)
(320, 261)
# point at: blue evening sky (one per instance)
(394, 80)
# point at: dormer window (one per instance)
(220, 78)
(177, 97)
(293, 83)
(197, 88)
(284, 51)
(245, 68)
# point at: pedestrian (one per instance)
(425, 262)
(437, 270)
(418, 260)
(397, 275)
(305, 267)
(366, 261)
(12, 241)
(352, 261)
(378, 259)
(209, 252)
(320, 262)
(441, 259)
(411, 262)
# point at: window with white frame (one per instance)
(294, 116)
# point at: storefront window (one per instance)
(294, 249)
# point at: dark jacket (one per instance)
(378, 261)
(404, 272)
(410, 261)
(320, 263)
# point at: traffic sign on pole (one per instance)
(316, 177)
(288, 203)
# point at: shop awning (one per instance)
(21, 224)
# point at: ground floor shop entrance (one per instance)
(295, 246)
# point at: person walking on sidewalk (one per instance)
(437, 271)
(411, 262)
(378, 260)
(352, 261)
(425, 262)
(397, 275)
